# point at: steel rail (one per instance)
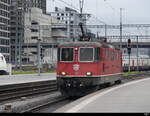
(61, 98)
(15, 91)
(48, 104)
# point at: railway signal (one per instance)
(129, 52)
(42, 53)
(129, 46)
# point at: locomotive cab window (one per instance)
(66, 54)
(89, 54)
(86, 54)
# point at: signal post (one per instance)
(129, 53)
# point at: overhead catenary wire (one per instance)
(116, 11)
(109, 5)
(68, 4)
(93, 16)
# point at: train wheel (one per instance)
(97, 88)
(118, 82)
(102, 86)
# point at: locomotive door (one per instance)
(103, 67)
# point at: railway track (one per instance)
(15, 91)
(51, 103)
(61, 99)
(135, 76)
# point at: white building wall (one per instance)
(67, 18)
(45, 32)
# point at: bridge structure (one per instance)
(118, 26)
(142, 41)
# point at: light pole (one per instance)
(21, 39)
(39, 57)
(129, 68)
(137, 53)
(69, 26)
(39, 52)
(105, 30)
(120, 28)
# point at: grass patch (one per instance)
(130, 73)
(30, 72)
(20, 72)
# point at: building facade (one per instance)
(39, 26)
(71, 18)
(5, 28)
(18, 10)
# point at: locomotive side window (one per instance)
(67, 54)
(97, 54)
(117, 56)
(86, 54)
(107, 54)
(58, 54)
(113, 56)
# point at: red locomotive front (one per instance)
(82, 67)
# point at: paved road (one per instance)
(130, 97)
(14, 79)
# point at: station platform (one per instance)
(132, 97)
(18, 79)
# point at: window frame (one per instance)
(86, 61)
(99, 58)
(107, 54)
(60, 57)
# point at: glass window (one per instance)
(113, 56)
(117, 56)
(58, 54)
(106, 54)
(86, 54)
(97, 54)
(67, 54)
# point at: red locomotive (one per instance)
(84, 66)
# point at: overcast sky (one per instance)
(108, 11)
(134, 11)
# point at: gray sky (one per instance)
(134, 11)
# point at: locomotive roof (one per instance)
(85, 44)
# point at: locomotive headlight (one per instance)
(63, 73)
(76, 48)
(89, 73)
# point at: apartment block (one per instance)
(71, 18)
(5, 28)
(41, 27)
(18, 10)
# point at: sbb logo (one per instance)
(76, 67)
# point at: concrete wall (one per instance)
(48, 29)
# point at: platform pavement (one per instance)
(17, 79)
(132, 97)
